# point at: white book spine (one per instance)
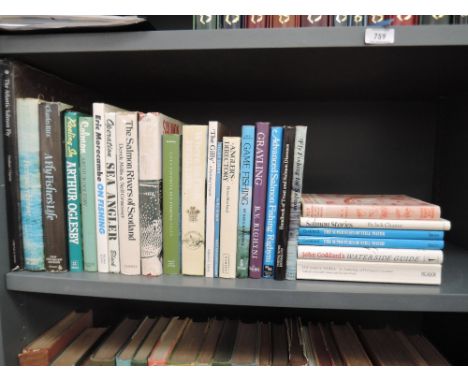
(378, 255)
(229, 207)
(111, 195)
(433, 225)
(194, 144)
(128, 195)
(359, 271)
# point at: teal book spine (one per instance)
(88, 207)
(30, 183)
(123, 362)
(72, 179)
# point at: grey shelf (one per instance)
(451, 296)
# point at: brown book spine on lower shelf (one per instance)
(280, 345)
(427, 350)
(264, 350)
(322, 358)
(351, 350)
(285, 21)
(208, 348)
(330, 345)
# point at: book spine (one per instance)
(229, 207)
(460, 19)
(72, 164)
(256, 21)
(113, 253)
(376, 20)
(217, 217)
(373, 233)
(30, 183)
(171, 204)
(404, 20)
(360, 271)
(128, 197)
(193, 199)
(358, 20)
(285, 21)
(379, 255)
(205, 22)
(436, 225)
(435, 19)
(260, 177)
(88, 205)
(8, 118)
(339, 20)
(296, 193)
(371, 243)
(287, 162)
(231, 22)
(52, 176)
(271, 219)
(314, 21)
(245, 199)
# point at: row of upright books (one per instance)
(161, 340)
(296, 21)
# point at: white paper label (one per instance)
(379, 36)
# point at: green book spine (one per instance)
(171, 204)
(87, 193)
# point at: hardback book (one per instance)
(340, 20)
(106, 353)
(260, 179)
(256, 21)
(413, 353)
(125, 356)
(272, 202)
(376, 20)
(427, 225)
(330, 344)
(296, 194)
(231, 22)
(100, 192)
(171, 203)
(360, 271)
(216, 132)
(193, 199)
(72, 178)
(314, 20)
(210, 342)
(426, 349)
(368, 207)
(351, 350)
(435, 19)
(460, 19)
(285, 21)
(379, 255)
(113, 246)
(284, 209)
(225, 345)
(245, 200)
(265, 344)
(151, 127)
(188, 347)
(373, 233)
(246, 344)
(205, 22)
(128, 196)
(295, 342)
(357, 20)
(322, 357)
(141, 356)
(308, 350)
(217, 216)
(280, 355)
(167, 342)
(405, 20)
(80, 348)
(52, 183)
(229, 207)
(88, 201)
(43, 350)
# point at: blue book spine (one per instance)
(245, 200)
(219, 161)
(373, 233)
(123, 362)
(271, 220)
(371, 243)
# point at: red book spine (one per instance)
(404, 19)
(285, 21)
(256, 21)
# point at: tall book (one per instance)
(88, 202)
(260, 178)
(314, 20)
(125, 356)
(256, 21)
(72, 164)
(193, 199)
(285, 21)
(358, 20)
(141, 356)
(225, 346)
(229, 207)
(287, 159)
(231, 21)
(208, 347)
(405, 20)
(128, 196)
(188, 347)
(272, 202)
(171, 203)
(435, 19)
(205, 22)
(52, 183)
(217, 217)
(167, 342)
(245, 199)
(245, 349)
(296, 194)
(216, 132)
(339, 20)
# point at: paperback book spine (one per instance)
(358, 20)
(260, 177)
(373, 233)
(405, 20)
(129, 207)
(371, 243)
(380, 255)
(113, 253)
(75, 245)
(285, 21)
(52, 176)
(245, 199)
(217, 219)
(229, 207)
(88, 205)
(231, 22)
(435, 19)
(314, 20)
(193, 199)
(256, 21)
(205, 22)
(339, 20)
(171, 203)
(287, 161)
(296, 193)
(377, 20)
(369, 272)
(271, 220)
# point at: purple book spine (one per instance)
(262, 139)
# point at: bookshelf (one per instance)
(387, 119)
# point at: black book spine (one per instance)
(289, 138)
(10, 136)
(435, 19)
(460, 19)
(52, 184)
(231, 22)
